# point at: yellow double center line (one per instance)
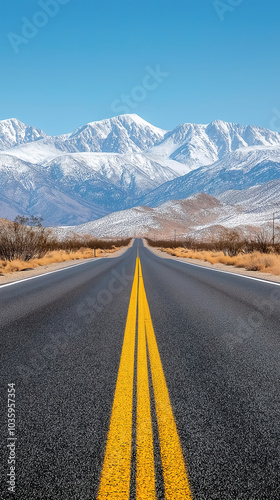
(116, 472)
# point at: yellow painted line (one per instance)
(176, 483)
(116, 472)
(115, 477)
(145, 470)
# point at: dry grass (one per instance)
(57, 256)
(255, 261)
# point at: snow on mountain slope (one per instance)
(13, 132)
(197, 215)
(183, 215)
(255, 205)
(37, 152)
(241, 169)
(112, 180)
(199, 145)
(92, 183)
(258, 204)
(265, 195)
(27, 189)
(190, 144)
(117, 163)
(121, 134)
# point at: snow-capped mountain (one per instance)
(113, 181)
(241, 169)
(199, 145)
(77, 187)
(117, 163)
(13, 132)
(122, 134)
(189, 144)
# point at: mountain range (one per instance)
(115, 164)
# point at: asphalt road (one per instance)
(218, 339)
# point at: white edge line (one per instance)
(220, 271)
(49, 272)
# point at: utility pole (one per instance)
(273, 229)
(175, 234)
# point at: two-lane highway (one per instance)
(142, 378)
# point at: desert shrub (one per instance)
(76, 242)
(255, 261)
(229, 241)
(26, 239)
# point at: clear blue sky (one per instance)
(77, 67)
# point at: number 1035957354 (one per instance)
(11, 409)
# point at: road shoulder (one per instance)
(37, 271)
(218, 267)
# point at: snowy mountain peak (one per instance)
(121, 134)
(127, 119)
(221, 124)
(199, 145)
(13, 132)
(140, 122)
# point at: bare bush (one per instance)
(26, 239)
(263, 238)
(77, 242)
(229, 241)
